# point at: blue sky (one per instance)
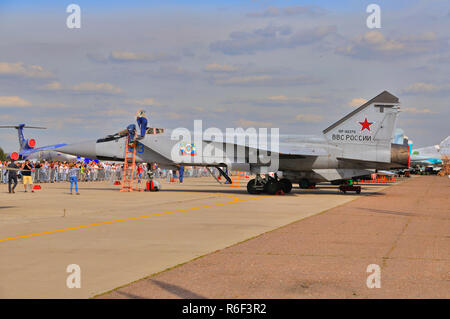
(295, 65)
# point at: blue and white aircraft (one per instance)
(28, 150)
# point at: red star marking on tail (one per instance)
(365, 125)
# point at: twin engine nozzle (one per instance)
(400, 155)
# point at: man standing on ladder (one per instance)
(129, 165)
(142, 123)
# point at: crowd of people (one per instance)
(52, 172)
(56, 171)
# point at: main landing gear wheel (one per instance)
(272, 187)
(286, 185)
(269, 185)
(303, 183)
(251, 187)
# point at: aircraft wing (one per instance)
(285, 150)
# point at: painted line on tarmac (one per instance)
(235, 200)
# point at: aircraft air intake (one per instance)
(31, 143)
(14, 156)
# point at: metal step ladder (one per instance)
(129, 165)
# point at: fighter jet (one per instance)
(431, 155)
(28, 150)
(353, 146)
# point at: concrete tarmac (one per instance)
(117, 238)
(405, 231)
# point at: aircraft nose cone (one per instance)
(84, 149)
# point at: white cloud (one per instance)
(22, 70)
(124, 56)
(272, 11)
(248, 123)
(145, 102)
(279, 100)
(117, 112)
(309, 118)
(424, 88)
(13, 101)
(128, 56)
(214, 67)
(52, 105)
(169, 72)
(375, 45)
(210, 110)
(53, 86)
(245, 79)
(415, 110)
(96, 87)
(357, 101)
(270, 38)
(421, 87)
(266, 80)
(285, 99)
(6, 117)
(84, 87)
(174, 115)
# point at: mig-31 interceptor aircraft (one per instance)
(353, 146)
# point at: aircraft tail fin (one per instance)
(399, 136)
(22, 141)
(368, 131)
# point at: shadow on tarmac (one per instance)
(367, 190)
(128, 295)
(177, 290)
(243, 191)
(173, 289)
